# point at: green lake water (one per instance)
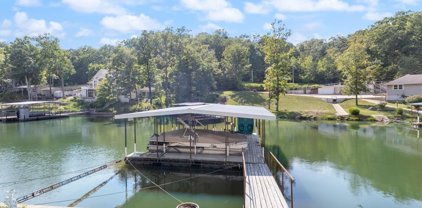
(335, 165)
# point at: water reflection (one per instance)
(382, 164)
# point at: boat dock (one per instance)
(260, 188)
(235, 147)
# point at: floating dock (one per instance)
(193, 147)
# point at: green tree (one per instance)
(63, 67)
(125, 71)
(54, 60)
(356, 66)
(277, 57)
(235, 64)
(145, 47)
(22, 60)
(194, 73)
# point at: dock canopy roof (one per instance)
(252, 112)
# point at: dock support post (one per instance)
(125, 138)
(134, 134)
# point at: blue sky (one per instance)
(98, 22)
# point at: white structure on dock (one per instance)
(212, 136)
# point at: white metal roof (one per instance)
(238, 111)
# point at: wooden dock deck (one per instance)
(261, 189)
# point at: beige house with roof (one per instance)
(405, 86)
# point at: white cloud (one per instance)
(84, 32)
(372, 12)
(315, 5)
(310, 26)
(280, 16)
(109, 41)
(130, 23)
(29, 3)
(267, 26)
(33, 27)
(95, 6)
(408, 2)
(209, 27)
(374, 15)
(256, 8)
(216, 10)
(5, 28)
(296, 38)
(226, 15)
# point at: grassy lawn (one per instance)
(289, 103)
(369, 109)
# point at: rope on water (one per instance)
(155, 183)
(148, 187)
(11, 183)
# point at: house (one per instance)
(56, 92)
(330, 90)
(405, 86)
(88, 92)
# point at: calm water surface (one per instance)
(54, 150)
(350, 164)
(335, 165)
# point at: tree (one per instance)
(125, 71)
(23, 57)
(63, 67)
(171, 44)
(277, 57)
(356, 66)
(145, 48)
(235, 64)
(54, 60)
(194, 73)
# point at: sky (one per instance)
(97, 22)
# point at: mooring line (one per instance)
(62, 183)
(155, 183)
(148, 187)
(11, 183)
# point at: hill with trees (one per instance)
(184, 67)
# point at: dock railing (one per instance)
(244, 173)
(280, 173)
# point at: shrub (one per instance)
(381, 106)
(156, 103)
(372, 119)
(399, 111)
(414, 99)
(354, 111)
(254, 86)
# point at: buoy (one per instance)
(188, 205)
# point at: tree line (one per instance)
(182, 67)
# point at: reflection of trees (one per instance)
(372, 158)
(225, 184)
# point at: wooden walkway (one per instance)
(261, 189)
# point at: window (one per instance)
(398, 87)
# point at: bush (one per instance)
(381, 106)
(254, 86)
(414, 99)
(354, 111)
(156, 103)
(399, 111)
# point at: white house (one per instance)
(408, 85)
(330, 90)
(88, 92)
